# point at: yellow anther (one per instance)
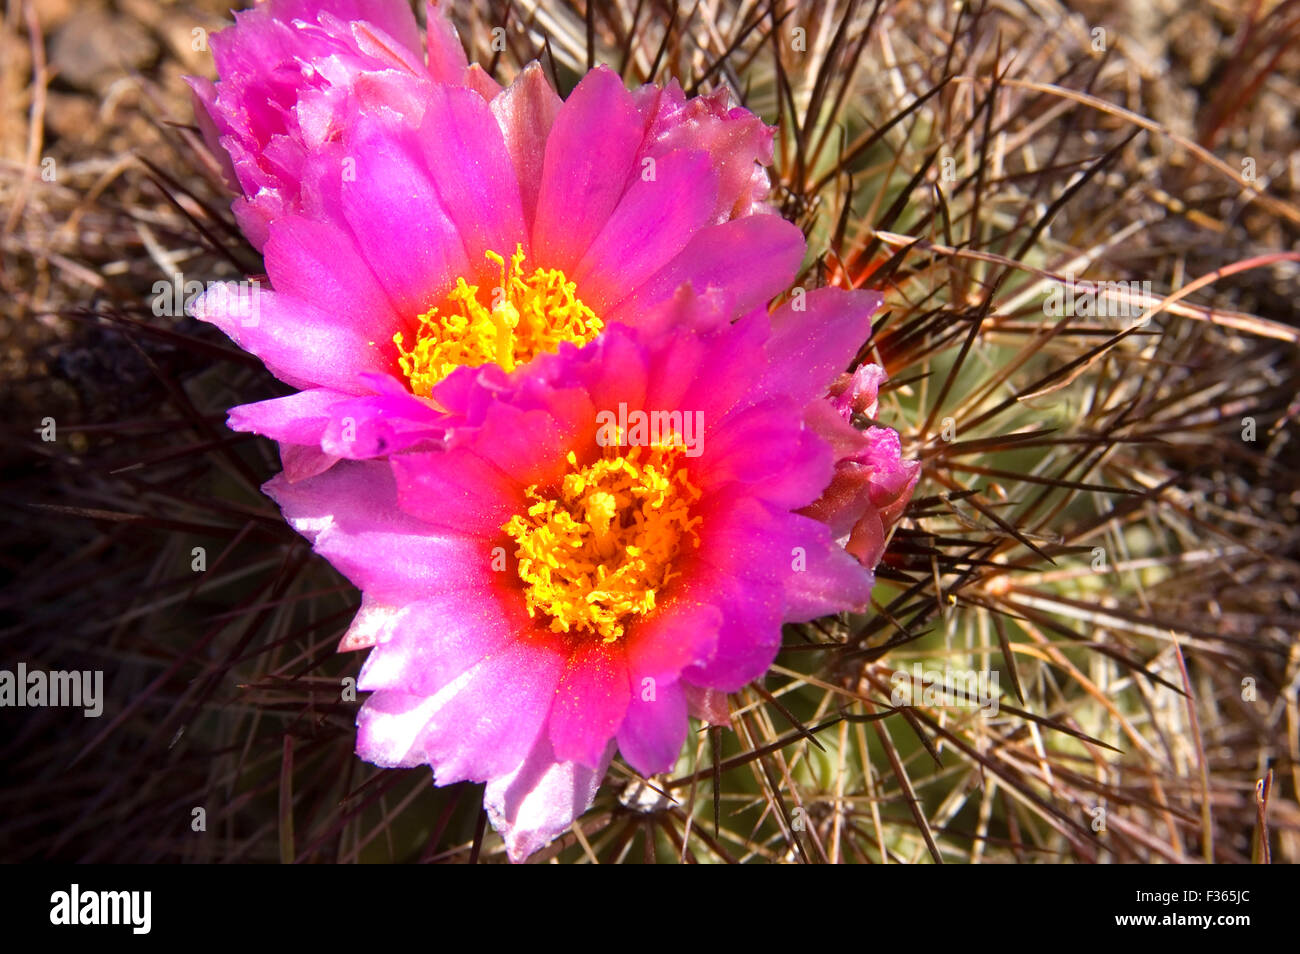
(594, 551)
(525, 316)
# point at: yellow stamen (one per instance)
(527, 315)
(596, 550)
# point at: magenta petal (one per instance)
(654, 728)
(350, 515)
(724, 256)
(205, 104)
(829, 424)
(707, 705)
(653, 221)
(738, 538)
(477, 79)
(317, 262)
(457, 489)
(301, 461)
(618, 377)
(751, 446)
(400, 223)
(809, 471)
(425, 645)
(859, 391)
(389, 725)
(525, 111)
(298, 343)
(381, 424)
(477, 727)
(867, 541)
(395, 19)
(845, 499)
(447, 60)
(590, 702)
(681, 632)
(750, 556)
(254, 217)
(739, 143)
(530, 446)
(588, 164)
(757, 542)
(467, 160)
(809, 347)
(293, 74)
(824, 579)
(537, 801)
(868, 494)
(709, 375)
(373, 622)
(893, 478)
(385, 47)
(298, 418)
(494, 714)
(750, 635)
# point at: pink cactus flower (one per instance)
(873, 483)
(293, 71)
(604, 539)
(416, 218)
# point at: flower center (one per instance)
(594, 551)
(527, 315)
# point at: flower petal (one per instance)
(653, 222)
(525, 111)
(750, 634)
(427, 644)
(467, 160)
(479, 726)
(301, 461)
(707, 705)
(299, 418)
(389, 725)
(399, 222)
(588, 165)
(388, 422)
(531, 445)
(752, 259)
(317, 261)
(298, 343)
(654, 728)
(457, 489)
(373, 622)
(395, 19)
(809, 347)
(590, 702)
(537, 801)
(752, 445)
(739, 143)
(823, 579)
(350, 515)
(682, 631)
(447, 60)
